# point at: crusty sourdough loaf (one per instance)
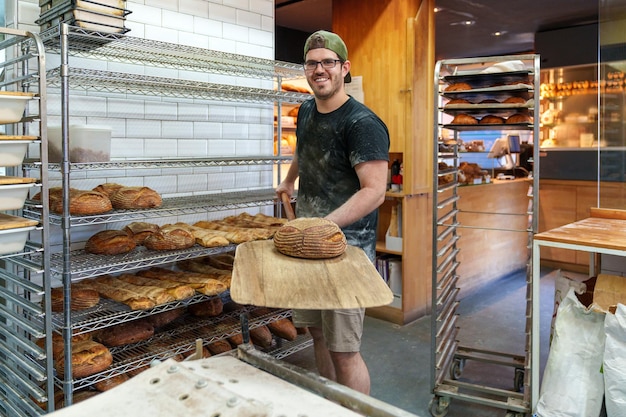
(126, 333)
(311, 238)
(135, 198)
(81, 298)
(170, 237)
(110, 242)
(88, 358)
(139, 231)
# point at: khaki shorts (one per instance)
(342, 329)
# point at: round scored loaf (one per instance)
(88, 358)
(464, 119)
(518, 118)
(135, 198)
(82, 298)
(310, 238)
(110, 242)
(170, 237)
(491, 120)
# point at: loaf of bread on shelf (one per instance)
(125, 333)
(205, 353)
(177, 290)
(491, 119)
(121, 295)
(205, 237)
(237, 234)
(58, 342)
(108, 188)
(111, 382)
(110, 242)
(208, 308)
(224, 261)
(197, 266)
(139, 231)
(258, 220)
(518, 118)
(88, 358)
(282, 327)
(464, 119)
(170, 237)
(166, 317)
(81, 298)
(157, 294)
(311, 238)
(514, 100)
(231, 326)
(460, 86)
(202, 283)
(136, 198)
(219, 346)
(261, 336)
(458, 101)
(81, 202)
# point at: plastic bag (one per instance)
(615, 362)
(573, 385)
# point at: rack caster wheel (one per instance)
(518, 380)
(456, 368)
(439, 406)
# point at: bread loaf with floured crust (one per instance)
(121, 295)
(110, 242)
(177, 290)
(139, 231)
(82, 298)
(202, 283)
(170, 237)
(82, 202)
(311, 238)
(157, 294)
(88, 358)
(135, 198)
(108, 188)
(126, 333)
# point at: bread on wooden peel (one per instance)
(310, 238)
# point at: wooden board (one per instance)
(594, 231)
(14, 222)
(16, 180)
(262, 276)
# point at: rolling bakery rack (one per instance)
(491, 80)
(29, 379)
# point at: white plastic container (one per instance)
(13, 196)
(12, 152)
(88, 143)
(12, 106)
(14, 240)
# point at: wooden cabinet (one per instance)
(391, 45)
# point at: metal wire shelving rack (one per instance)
(491, 79)
(70, 264)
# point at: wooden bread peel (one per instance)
(262, 276)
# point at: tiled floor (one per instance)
(398, 357)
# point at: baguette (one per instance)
(177, 290)
(158, 295)
(130, 298)
(202, 283)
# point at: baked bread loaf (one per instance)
(202, 283)
(514, 100)
(311, 238)
(282, 328)
(293, 112)
(491, 120)
(489, 101)
(261, 336)
(220, 346)
(518, 118)
(82, 202)
(121, 295)
(108, 188)
(88, 358)
(111, 382)
(110, 242)
(126, 333)
(208, 308)
(166, 317)
(139, 231)
(458, 87)
(170, 237)
(58, 343)
(82, 298)
(458, 101)
(464, 119)
(157, 294)
(135, 198)
(176, 290)
(205, 237)
(205, 352)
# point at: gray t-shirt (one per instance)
(329, 146)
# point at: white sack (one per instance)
(615, 362)
(573, 385)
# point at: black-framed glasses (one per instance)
(326, 64)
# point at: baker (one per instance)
(341, 160)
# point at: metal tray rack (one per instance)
(448, 356)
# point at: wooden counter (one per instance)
(494, 237)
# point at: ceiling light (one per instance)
(463, 23)
(498, 33)
(437, 9)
